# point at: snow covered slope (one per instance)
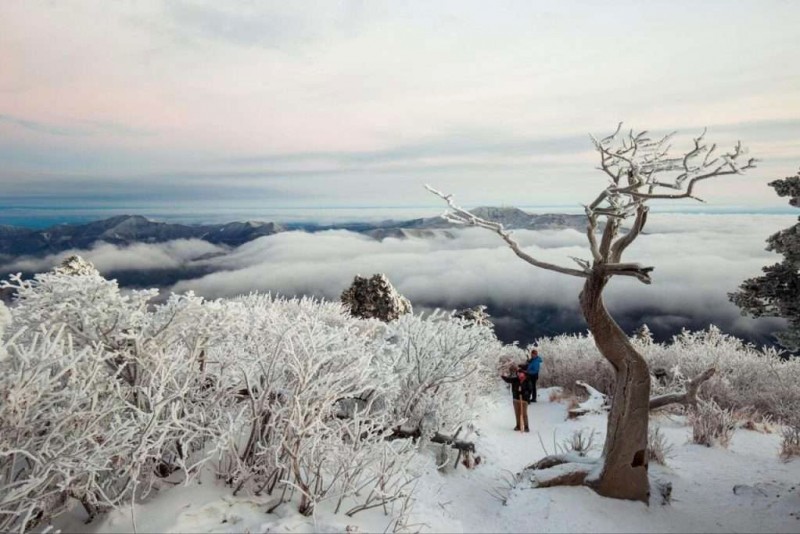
(766, 496)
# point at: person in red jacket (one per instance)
(520, 394)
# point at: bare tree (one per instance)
(639, 169)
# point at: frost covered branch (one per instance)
(461, 216)
(638, 168)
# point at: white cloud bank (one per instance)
(698, 259)
(138, 256)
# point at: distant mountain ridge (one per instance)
(511, 218)
(128, 229)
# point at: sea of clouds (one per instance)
(698, 259)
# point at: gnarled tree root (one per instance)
(561, 475)
(560, 470)
(573, 470)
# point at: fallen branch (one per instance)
(460, 445)
(687, 398)
(596, 403)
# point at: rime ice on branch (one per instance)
(638, 169)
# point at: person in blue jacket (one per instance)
(534, 363)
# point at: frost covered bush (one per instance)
(54, 442)
(790, 433)
(508, 355)
(321, 391)
(567, 358)
(790, 443)
(711, 424)
(100, 396)
(71, 428)
(745, 377)
(581, 442)
(658, 450)
(442, 364)
(314, 402)
(103, 393)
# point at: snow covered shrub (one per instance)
(790, 433)
(314, 403)
(568, 358)
(53, 443)
(508, 355)
(658, 450)
(107, 385)
(69, 428)
(745, 378)
(752, 419)
(790, 444)
(90, 308)
(580, 443)
(712, 425)
(442, 364)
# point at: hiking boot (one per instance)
(516, 428)
(527, 429)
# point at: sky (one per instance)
(241, 105)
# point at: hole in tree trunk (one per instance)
(638, 459)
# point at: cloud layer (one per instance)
(109, 258)
(698, 260)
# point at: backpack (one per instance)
(526, 389)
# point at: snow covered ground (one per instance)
(767, 496)
(703, 480)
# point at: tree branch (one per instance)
(622, 243)
(461, 216)
(687, 398)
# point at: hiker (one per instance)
(532, 370)
(520, 394)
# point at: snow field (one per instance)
(766, 497)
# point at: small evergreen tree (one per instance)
(375, 298)
(776, 293)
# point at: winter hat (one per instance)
(534, 352)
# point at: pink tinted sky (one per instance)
(360, 103)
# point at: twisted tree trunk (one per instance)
(623, 473)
